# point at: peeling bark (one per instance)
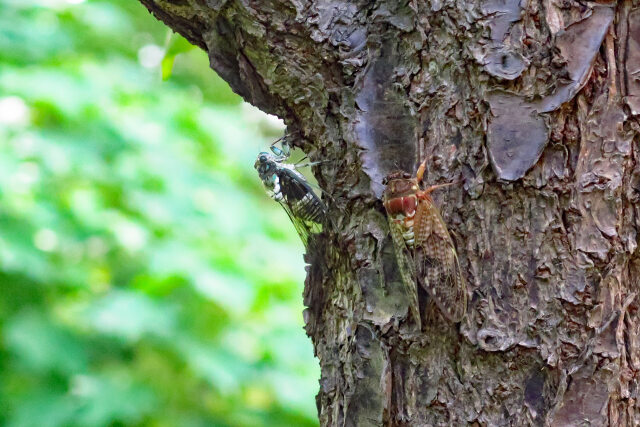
(532, 106)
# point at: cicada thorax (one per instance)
(401, 203)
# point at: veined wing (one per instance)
(405, 265)
(304, 208)
(437, 266)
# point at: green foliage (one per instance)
(145, 277)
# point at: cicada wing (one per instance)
(302, 228)
(436, 263)
(406, 267)
(302, 205)
(301, 198)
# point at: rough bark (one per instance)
(532, 107)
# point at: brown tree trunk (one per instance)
(532, 107)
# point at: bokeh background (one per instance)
(145, 277)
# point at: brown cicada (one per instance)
(424, 248)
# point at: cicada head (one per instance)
(266, 166)
(400, 195)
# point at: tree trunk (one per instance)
(532, 107)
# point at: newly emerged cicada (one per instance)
(424, 249)
(291, 189)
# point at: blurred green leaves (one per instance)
(145, 278)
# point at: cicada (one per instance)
(424, 249)
(291, 189)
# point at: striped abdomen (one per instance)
(309, 208)
(402, 211)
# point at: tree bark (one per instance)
(532, 107)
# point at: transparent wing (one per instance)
(302, 205)
(303, 228)
(405, 265)
(437, 267)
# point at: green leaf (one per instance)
(174, 46)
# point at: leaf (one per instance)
(42, 345)
(174, 46)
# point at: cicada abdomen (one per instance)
(290, 188)
(424, 249)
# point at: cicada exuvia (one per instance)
(424, 249)
(291, 189)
